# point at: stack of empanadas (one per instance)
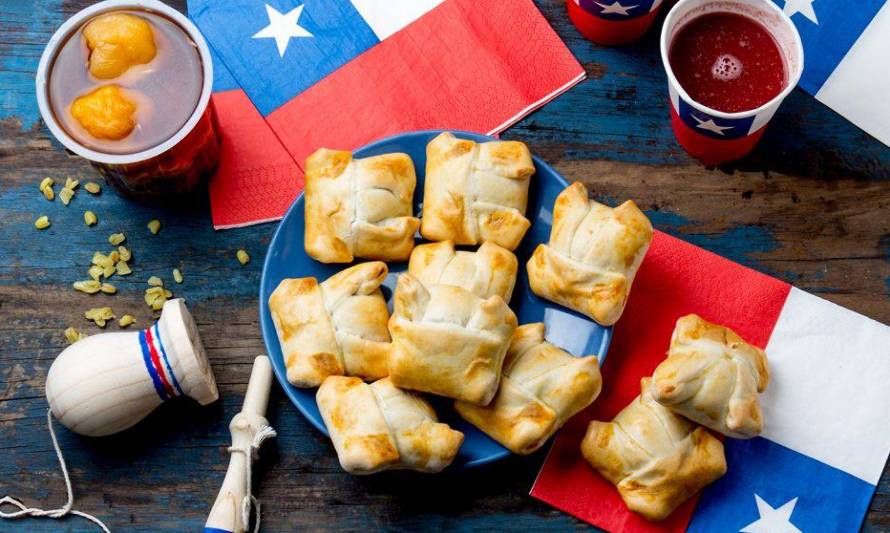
(452, 332)
(593, 255)
(359, 207)
(656, 459)
(653, 451)
(476, 192)
(381, 427)
(448, 341)
(334, 328)
(541, 388)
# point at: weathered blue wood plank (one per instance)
(25, 27)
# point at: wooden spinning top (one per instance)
(106, 383)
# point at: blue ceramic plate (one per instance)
(286, 258)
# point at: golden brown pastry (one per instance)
(712, 376)
(359, 207)
(488, 271)
(593, 255)
(655, 458)
(541, 388)
(334, 328)
(476, 192)
(448, 341)
(381, 427)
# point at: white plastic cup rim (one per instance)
(794, 64)
(71, 25)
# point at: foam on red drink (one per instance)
(728, 62)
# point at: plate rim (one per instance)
(265, 324)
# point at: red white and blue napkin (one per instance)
(845, 58)
(296, 75)
(826, 437)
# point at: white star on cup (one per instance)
(615, 8)
(709, 125)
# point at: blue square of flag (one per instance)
(770, 488)
(279, 48)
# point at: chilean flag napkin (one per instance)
(826, 436)
(845, 58)
(340, 73)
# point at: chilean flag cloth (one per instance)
(845, 58)
(297, 75)
(826, 436)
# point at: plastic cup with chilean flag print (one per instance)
(612, 22)
(714, 136)
(186, 150)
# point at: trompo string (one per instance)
(62, 512)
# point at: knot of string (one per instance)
(250, 452)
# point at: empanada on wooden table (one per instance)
(488, 271)
(359, 207)
(656, 458)
(338, 327)
(542, 387)
(712, 376)
(448, 341)
(381, 427)
(475, 192)
(592, 257)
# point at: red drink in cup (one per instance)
(612, 22)
(730, 63)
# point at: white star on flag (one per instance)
(615, 8)
(282, 27)
(710, 125)
(772, 520)
(804, 7)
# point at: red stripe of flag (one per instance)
(257, 179)
(156, 362)
(434, 74)
(675, 279)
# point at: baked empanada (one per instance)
(593, 255)
(476, 192)
(488, 271)
(381, 427)
(656, 459)
(359, 207)
(712, 376)
(338, 327)
(542, 387)
(448, 341)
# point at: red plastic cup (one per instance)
(713, 136)
(164, 172)
(612, 22)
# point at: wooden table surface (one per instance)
(810, 207)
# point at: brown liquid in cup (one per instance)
(165, 90)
